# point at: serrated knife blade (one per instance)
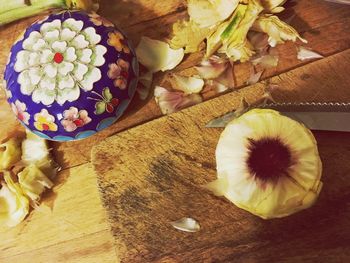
(322, 121)
(315, 116)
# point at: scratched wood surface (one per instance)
(153, 174)
(71, 225)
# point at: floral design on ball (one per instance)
(8, 93)
(105, 101)
(59, 61)
(19, 108)
(44, 121)
(99, 20)
(74, 119)
(117, 40)
(119, 72)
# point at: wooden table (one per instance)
(70, 224)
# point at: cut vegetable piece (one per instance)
(10, 153)
(214, 40)
(227, 78)
(14, 206)
(266, 61)
(277, 30)
(156, 55)
(235, 20)
(33, 182)
(172, 101)
(236, 46)
(259, 41)
(218, 72)
(49, 167)
(26, 8)
(304, 54)
(35, 151)
(242, 52)
(270, 5)
(186, 224)
(146, 81)
(213, 67)
(208, 13)
(142, 91)
(268, 164)
(224, 30)
(188, 35)
(87, 5)
(188, 85)
(216, 86)
(277, 10)
(254, 77)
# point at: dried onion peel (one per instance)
(237, 46)
(278, 31)
(157, 55)
(10, 153)
(33, 182)
(14, 205)
(188, 35)
(209, 13)
(35, 169)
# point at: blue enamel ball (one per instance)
(70, 75)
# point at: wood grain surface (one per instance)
(71, 224)
(153, 174)
(325, 26)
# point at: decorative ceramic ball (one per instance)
(70, 75)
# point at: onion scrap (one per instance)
(157, 55)
(305, 54)
(231, 31)
(27, 169)
(186, 224)
(172, 101)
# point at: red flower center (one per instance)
(124, 74)
(45, 127)
(79, 122)
(58, 57)
(20, 116)
(109, 107)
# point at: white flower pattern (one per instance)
(59, 61)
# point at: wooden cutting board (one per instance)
(153, 174)
(72, 227)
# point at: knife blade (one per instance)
(323, 121)
(347, 2)
(315, 116)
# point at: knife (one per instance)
(347, 2)
(316, 116)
